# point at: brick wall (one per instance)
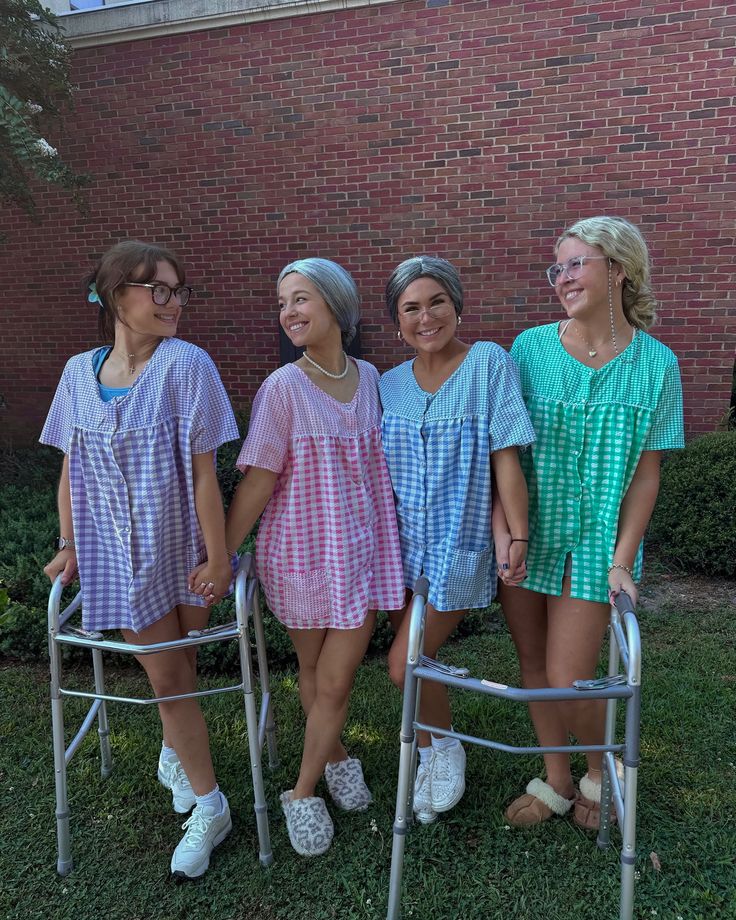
(475, 130)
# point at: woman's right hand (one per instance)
(64, 563)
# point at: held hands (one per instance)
(511, 559)
(64, 563)
(211, 580)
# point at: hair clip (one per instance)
(93, 296)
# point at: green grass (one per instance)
(468, 865)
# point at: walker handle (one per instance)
(623, 603)
(422, 587)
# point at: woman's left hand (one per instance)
(620, 580)
(211, 580)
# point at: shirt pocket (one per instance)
(468, 577)
(308, 593)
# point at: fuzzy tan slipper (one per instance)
(540, 803)
(587, 813)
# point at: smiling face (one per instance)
(304, 314)
(137, 311)
(426, 315)
(584, 297)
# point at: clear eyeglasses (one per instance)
(573, 268)
(438, 311)
(161, 293)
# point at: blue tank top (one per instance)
(106, 393)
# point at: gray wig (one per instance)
(337, 288)
(417, 267)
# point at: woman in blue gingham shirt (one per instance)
(139, 505)
(453, 419)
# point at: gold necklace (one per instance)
(592, 350)
(131, 360)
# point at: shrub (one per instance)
(29, 523)
(694, 525)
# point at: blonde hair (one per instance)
(622, 242)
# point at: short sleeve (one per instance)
(269, 432)
(57, 431)
(509, 421)
(667, 431)
(213, 422)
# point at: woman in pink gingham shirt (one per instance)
(328, 551)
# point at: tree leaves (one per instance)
(35, 93)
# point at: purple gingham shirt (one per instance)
(130, 471)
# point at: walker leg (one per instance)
(628, 850)
(265, 680)
(64, 863)
(403, 792)
(103, 727)
(631, 782)
(604, 830)
(251, 719)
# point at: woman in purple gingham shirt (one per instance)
(140, 507)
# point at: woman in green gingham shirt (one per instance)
(605, 400)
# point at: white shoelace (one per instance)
(441, 766)
(181, 778)
(196, 827)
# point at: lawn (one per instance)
(468, 865)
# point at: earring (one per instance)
(610, 309)
(400, 336)
(459, 319)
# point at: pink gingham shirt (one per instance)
(328, 546)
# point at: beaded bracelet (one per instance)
(619, 565)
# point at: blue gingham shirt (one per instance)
(438, 447)
(130, 471)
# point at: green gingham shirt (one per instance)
(592, 427)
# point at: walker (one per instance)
(260, 723)
(625, 645)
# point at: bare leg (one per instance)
(575, 635)
(171, 673)
(308, 645)
(435, 704)
(526, 616)
(190, 618)
(558, 640)
(340, 653)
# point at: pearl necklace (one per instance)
(327, 373)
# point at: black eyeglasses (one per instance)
(161, 292)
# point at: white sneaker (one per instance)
(448, 777)
(423, 811)
(205, 829)
(171, 775)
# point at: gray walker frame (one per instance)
(625, 647)
(259, 722)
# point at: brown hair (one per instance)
(129, 260)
